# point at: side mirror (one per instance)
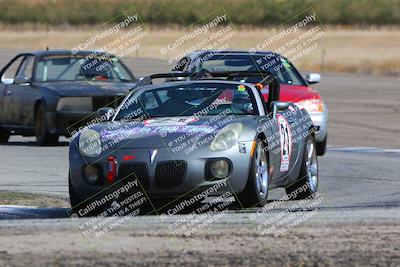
(313, 78)
(105, 114)
(277, 106)
(21, 80)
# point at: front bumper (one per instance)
(320, 120)
(193, 183)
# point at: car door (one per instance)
(7, 88)
(283, 150)
(24, 94)
(277, 138)
(281, 147)
(286, 145)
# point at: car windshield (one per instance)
(81, 68)
(191, 99)
(281, 67)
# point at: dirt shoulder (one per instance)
(337, 244)
(372, 51)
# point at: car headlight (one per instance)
(90, 143)
(227, 137)
(311, 105)
(219, 168)
(91, 174)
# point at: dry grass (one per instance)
(373, 51)
(15, 198)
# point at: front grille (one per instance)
(106, 101)
(134, 170)
(170, 173)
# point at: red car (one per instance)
(294, 88)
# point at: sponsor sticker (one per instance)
(286, 142)
(242, 148)
(241, 88)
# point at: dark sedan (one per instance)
(48, 94)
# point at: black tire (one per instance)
(163, 205)
(43, 137)
(307, 182)
(73, 198)
(321, 146)
(4, 136)
(77, 203)
(159, 206)
(256, 192)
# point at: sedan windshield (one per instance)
(193, 99)
(281, 67)
(81, 68)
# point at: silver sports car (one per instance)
(203, 137)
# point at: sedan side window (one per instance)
(149, 101)
(26, 67)
(10, 73)
(180, 66)
(287, 74)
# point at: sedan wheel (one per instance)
(321, 146)
(4, 136)
(43, 137)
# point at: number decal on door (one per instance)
(286, 142)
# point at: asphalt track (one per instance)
(349, 177)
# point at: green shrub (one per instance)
(181, 12)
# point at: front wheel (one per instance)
(307, 182)
(321, 146)
(43, 137)
(256, 190)
(79, 204)
(4, 136)
(73, 198)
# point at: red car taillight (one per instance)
(112, 169)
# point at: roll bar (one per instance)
(269, 79)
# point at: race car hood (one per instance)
(85, 88)
(167, 132)
(294, 93)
